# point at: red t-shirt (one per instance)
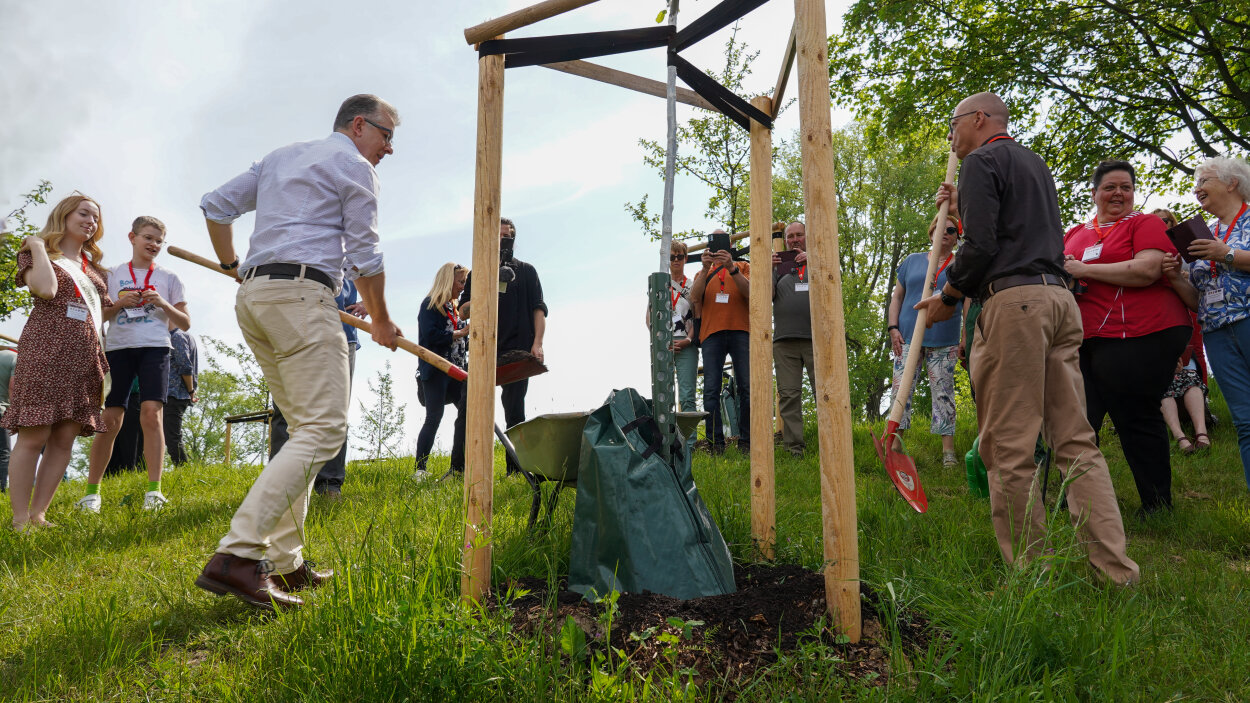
(1108, 310)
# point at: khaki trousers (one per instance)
(790, 357)
(1026, 373)
(293, 328)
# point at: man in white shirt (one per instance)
(149, 299)
(316, 215)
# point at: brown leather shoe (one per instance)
(247, 579)
(303, 577)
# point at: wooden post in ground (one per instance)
(228, 425)
(763, 501)
(479, 480)
(833, 400)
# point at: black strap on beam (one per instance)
(724, 99)
(533, 51)
(724, 14)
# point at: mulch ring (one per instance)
(727, 638)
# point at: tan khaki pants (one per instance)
(293, 328)
(790, 357)
(1026, 372)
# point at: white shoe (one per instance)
(154, 500)
(90, 503)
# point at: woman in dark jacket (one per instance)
(443, 332)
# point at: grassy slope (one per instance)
(103, 608)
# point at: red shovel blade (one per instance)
(901, 469)
(517, 366)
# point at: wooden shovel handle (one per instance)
(438, 362)
(917, 335)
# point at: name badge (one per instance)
(801, 287)
(1213, 296)
(722, 297)
(1092, 253)
(134, 313)
(76, 311)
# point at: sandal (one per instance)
(1187, 448)
(1202, 442)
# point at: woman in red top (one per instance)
(1135, 326)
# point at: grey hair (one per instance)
(1228, 169)
(364, 105)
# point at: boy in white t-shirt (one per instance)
(148, 299)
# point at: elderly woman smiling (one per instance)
(1218, 285)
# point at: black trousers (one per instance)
(513, 398)
(1126, 378)
(128, 447)
(175, 408)
(435, 390)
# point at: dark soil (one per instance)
(776, 608)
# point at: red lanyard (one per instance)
(942, 268)
(1103, 235)
(146, 279)
(84, 270)
(1001, 136)
(451, 315)
(1227, 234)
(675, 292)
(721, 277)
(802, 270)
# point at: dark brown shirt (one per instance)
(1010, 214)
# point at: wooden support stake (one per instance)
(763, 500)
(611, 76)
(7, 338)
(833, 398)
(479, 481)
(491, 29)
(228, 443)
(783, 77)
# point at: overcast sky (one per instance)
(146, 106)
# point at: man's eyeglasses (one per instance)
(965, 114)
(386, 133)
(676, 257)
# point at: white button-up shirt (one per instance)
(316, 203)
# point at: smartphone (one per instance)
(719, 242)
(787, 264)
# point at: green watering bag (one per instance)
(639, 523)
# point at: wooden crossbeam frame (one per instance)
(623, 79)
(808, 48)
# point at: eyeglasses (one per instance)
(965, 114)
(1202, 180)
(387, 134)
(677, 257)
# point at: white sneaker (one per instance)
(154, 500)
(89, 504)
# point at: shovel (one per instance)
(421, 352)
(898, 466)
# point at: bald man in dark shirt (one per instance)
(1027, 340)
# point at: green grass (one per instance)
(103, 608)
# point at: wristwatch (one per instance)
(949, 300)
(230, 266)
(1228, 258)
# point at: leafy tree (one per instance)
(382, 427)
(12, 298)
(1163, 83)
(232, 384)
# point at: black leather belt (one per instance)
(289, 272)
(998, 285)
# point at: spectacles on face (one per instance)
(676, 257)
(387, 134)
(1202, 180)
(965, 114)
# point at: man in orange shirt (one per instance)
(721, 290)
